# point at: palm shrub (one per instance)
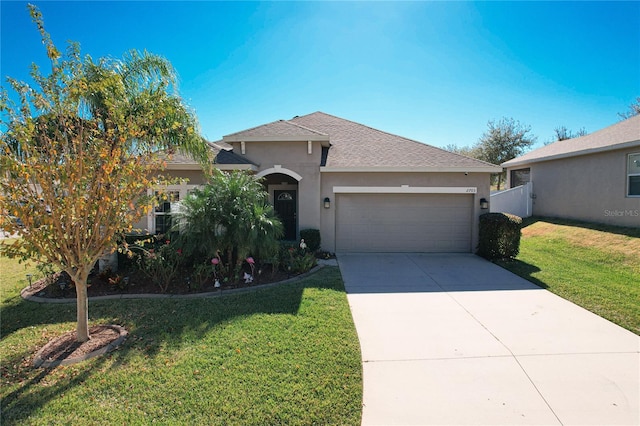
(229, 217)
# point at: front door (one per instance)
(285, 204)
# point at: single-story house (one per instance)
(594, 178)
(366, 190)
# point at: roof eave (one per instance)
(196, 166)
(183, 166)
(251, 167)
(289, 138)
(419, 169)
(516, 162)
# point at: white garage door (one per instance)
(403, 222)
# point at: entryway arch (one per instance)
(283, 196)
(280, 170)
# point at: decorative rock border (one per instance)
(217, 293)
(39, 362)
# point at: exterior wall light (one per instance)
(484, 204)
(327, 203)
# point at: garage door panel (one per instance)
(403, 222)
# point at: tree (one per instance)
(503, 141)
(230, 215)
(562, 133)
(634, 109)
(468, 151)
(79, 150)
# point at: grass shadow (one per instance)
(173, 322)
(522, 269)
(155, 326)
(18, 313)
(34, 391)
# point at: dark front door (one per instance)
(285, 204)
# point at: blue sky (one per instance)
(431, 71)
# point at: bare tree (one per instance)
(562, 133)
(634, 109)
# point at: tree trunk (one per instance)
(231, 264)
(82, 302)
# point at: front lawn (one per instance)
(594, 266)
(286, 355)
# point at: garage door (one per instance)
(403, 222)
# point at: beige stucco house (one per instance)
(364, 189)
(595, 178)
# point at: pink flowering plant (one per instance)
(296, 259)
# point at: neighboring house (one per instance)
(595, 178)
(364, 189)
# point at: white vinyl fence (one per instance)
(516, 201)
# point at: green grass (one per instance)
(286, 355)
(594, 266)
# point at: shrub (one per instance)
(312, 238)
(201, 273)
(127, 258)
(295, 260)
(161, 264)
(499, 236)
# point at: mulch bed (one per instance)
(60, 286)
(65, 349)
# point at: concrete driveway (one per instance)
(454, 339)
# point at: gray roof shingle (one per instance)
(617, 136)
(355, 145)
(223, 154)
(276, 130)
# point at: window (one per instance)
(633, 175)
(285, 196)
(519, 177)
(163, 210)
(162, 218)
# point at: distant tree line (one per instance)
(507, 139)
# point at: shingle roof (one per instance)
(223, 154)
(277, 130)
(179, 158)
(355, 145)
(617, 136)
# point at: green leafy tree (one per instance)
(230, 215)
(468, 151)
(79, 150)
(504, 140)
